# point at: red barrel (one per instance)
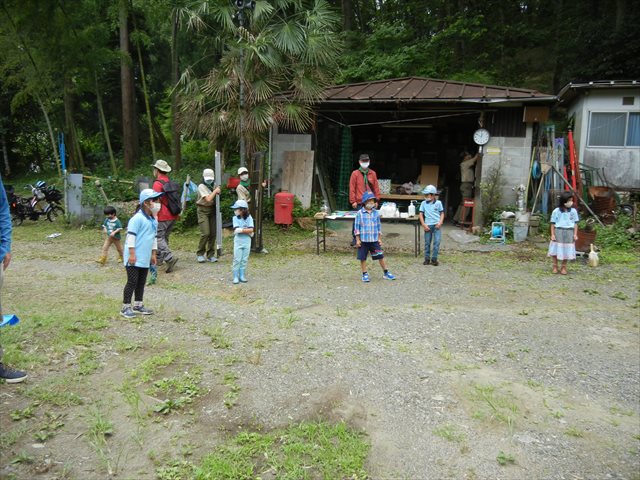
(283, 208)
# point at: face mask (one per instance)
(364, 165)
(237, 212)
(569, 204)
(209, 182)
(155, 207)
(369, 205)
(244, 177)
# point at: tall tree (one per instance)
(129, 123)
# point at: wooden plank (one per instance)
(297, 175)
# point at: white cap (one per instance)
(242, 170)
(208, 174)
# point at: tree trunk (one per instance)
(5, 156)
(146, 101)
(175, 131)
(75, 153)
(163, 145)
(105, 129)
(621, 8)
(347, 15)
(126, 85)
(51, 136)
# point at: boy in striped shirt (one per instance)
(367, 229)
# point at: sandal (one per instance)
(554, 270)
(563, 271)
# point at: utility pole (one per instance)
(241, 5)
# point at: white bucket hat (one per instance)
(208, 174)
(162, 166)
(242, 170)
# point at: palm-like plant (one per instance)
(286, 46)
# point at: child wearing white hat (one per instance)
(140, 252)
(243, 231)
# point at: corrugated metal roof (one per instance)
(572, 89)
(418, 89)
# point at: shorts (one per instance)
(370, 247)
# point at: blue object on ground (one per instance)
(9, 320)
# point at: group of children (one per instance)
(139, 252)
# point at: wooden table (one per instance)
(321, 225)
(397, 196)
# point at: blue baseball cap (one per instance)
(240, 204)
(148, 193)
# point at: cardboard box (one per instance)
(429, 175)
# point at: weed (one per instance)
(492, 405)
(87, 362)
(590, 291)
(491, 360)
(288, 320)
(574, 432)
(22, 457)
(445, 353)
(505, 459)
(176, 470)
(341, 312)
(25, 413)
(620, 296)
(535, 384)
(450, 432)
(150, 367)
(218, 337)
(523, 312)
(231, 360)
(10, 437)
(620, 411)
(231, 396)
(100, 428)
(54, 393)
(511, 355)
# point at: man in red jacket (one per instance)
(166, 219)
(362, 180)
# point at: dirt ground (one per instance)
(487, 366)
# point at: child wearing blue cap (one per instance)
(367, 228)
(140, 252)
(431, 218)
(242, 231)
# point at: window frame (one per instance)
(626, 114)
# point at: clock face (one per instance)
(481, 136)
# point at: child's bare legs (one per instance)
(555, 264)
(563, 268)
(383, 264)
(363, 266)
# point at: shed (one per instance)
(607, 127)
(405, 124)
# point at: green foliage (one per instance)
(303, 451)
(616, 236)
(491, 192)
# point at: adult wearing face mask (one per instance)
(242, 190)
(166, 219)
(362, 180)
(205, 208)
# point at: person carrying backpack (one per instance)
(169, 212)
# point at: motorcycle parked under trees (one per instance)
(45, 201)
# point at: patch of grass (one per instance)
(55, 393)
(303, 451)
(49, 426)
(287, 320)
(620, 296)
(450, 432)
(150, 367)
(493, 405)
(22, 457)
(218, 337)
(8, 437)
(445, 353)
(180, 391)
(590, 291)
(574, 432)
(621, 411)
(100, 429)
(504, 459)
(176, 470)
(231, 396)
(88, 362)
(23, 414)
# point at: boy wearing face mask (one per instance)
(140, 252)
(242, 190)
(564, 233)
(362, 180)
(431, 218)
(368, 229)
(205, 207)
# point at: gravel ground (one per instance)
(445, 369)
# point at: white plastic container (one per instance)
(412, 209)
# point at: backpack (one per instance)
(172, 192)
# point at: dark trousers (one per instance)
(136, 278)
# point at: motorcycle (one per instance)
(45, 201)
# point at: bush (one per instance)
(616, 236)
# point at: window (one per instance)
(614, 129)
